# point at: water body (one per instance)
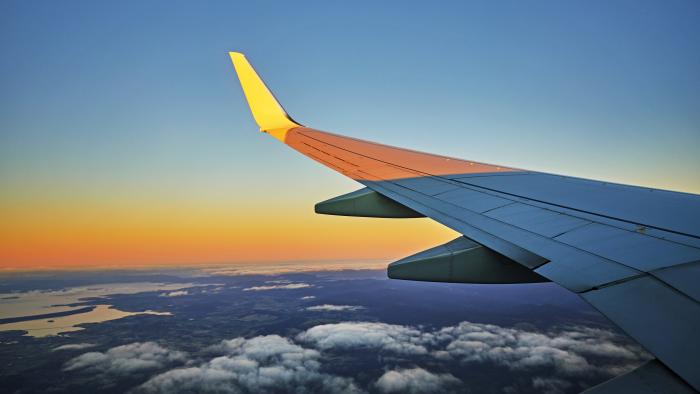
(34, 304)
(47, 327)
(45, 313)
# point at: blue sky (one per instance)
(603, 89)
(139, 98)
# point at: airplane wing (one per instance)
(632, 252)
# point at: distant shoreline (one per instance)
(46, 315)
(372, 263)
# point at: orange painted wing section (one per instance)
(358, 159)
(370, 161)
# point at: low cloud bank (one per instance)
(334, 308)
(74, 346)
(367, 335)
(567, 351)
(178, 293)
(416, 380)
(126, 359)
(555, 359)
(289, 286)
(295, 267)
(262, 364)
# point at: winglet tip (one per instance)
(267, 111)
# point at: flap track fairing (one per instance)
(462, 261)
(365, 203)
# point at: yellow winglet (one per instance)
(267, 111)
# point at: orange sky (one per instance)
(146, 153)
(75, 231)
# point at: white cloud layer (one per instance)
(295, 267)
(555, 360)
(567, 351)
(126, 359)
(261, 364)
(558, 355)
(334, 308)
(289, 286)
(570, 351)
(74, 346)
(355, 335)
(176, 293)
(550, 385)
(415, 380)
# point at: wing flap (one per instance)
(683, 278)
(663, 320)
(650, 378)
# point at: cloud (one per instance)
(334, 308)
(550, 385)
(415, 380)
(566, 350)
(308, 297)
(74, 346)
(289, 286)
(50, 301)
(261, 364)
(570, 352)
(354, 335)
(295, 267)
(175, 293)
(126, 359)
(555, 360)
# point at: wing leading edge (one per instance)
(631, 252)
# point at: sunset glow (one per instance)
(72, 233)
(125, 139)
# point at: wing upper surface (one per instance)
(631, 252)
